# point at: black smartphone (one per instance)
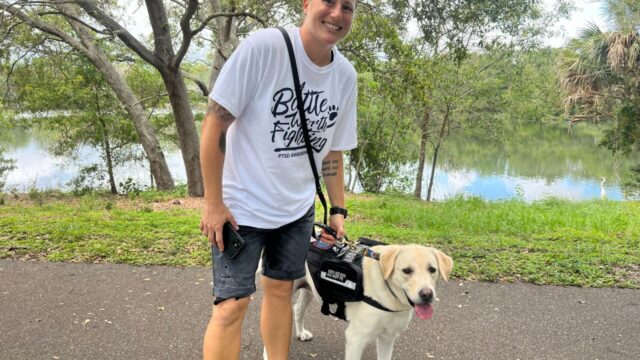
(233, 242)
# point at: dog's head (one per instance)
(415, 269)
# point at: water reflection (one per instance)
(537, 162)
(496, 187)
(36, 168)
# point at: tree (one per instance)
(532, 92)
(623, 14)
(385, 109)
(167, 60)
(386, 139)
(58, 21)
(450, 31)
(92, 114)
(600, 72)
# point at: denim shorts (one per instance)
(283, 258)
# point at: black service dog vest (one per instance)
(337, 274)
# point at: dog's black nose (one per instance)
(426, 295)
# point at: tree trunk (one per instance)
(348, 168)
(445, 121)
(146, 133)
(107, 152)
(385, 166)
(106, 147)
(186, 126)
(357, 167)
(424, 136)
(167, 61)
(226, 42)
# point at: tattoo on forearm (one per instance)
(330, 168)
(222, 142)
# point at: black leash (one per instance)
(303, 120)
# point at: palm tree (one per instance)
(623, 14)
(600, 71)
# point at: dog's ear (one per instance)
(445, 263)
(388, 259)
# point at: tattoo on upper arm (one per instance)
(223, 114)
(330, 168)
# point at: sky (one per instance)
(586, 11)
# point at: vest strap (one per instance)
(377, 305)
(339, 313)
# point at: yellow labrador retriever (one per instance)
(402, 281)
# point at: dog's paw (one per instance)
(305, 335)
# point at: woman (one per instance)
(256, 170)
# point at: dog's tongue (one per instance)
(424, 312)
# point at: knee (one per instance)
(230, 312)
(281, 290)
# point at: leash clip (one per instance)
(342, 244)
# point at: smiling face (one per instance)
(327, 21)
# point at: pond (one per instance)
(537, 162)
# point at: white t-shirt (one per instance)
(267, 178)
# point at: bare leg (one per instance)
(276, 317)
(299, 312)
(222, 338)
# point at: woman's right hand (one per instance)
(213, 218)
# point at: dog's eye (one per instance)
(407, 271)
(432, 269)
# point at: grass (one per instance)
(591, 244)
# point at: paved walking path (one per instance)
(104, 311)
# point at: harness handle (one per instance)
(328, 229)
